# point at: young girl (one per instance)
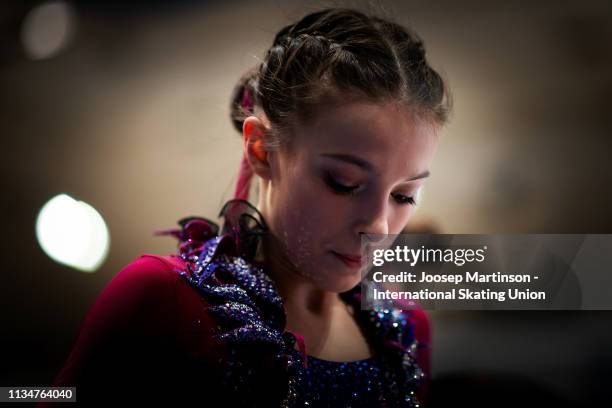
(340, 122)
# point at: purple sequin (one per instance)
(250, 315)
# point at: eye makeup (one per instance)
(340, 188)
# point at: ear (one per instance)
(253, 133)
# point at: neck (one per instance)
(321, 317)
(300, 295)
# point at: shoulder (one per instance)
(132, 301)
(148, 269)
(143, 281)
(146, 309)
(148, 298)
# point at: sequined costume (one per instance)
(229, 340)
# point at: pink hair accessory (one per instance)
(247, 102)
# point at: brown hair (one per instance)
(338, 53)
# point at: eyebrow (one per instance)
(366, 165)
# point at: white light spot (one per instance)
(72, 233)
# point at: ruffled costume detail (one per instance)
(262, 367)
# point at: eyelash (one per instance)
(348, 190)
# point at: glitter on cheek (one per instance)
(299, 244)
(304, 253)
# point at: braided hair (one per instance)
(329, 56)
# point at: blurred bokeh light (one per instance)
(72, 233)
(47, 29)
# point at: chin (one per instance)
(336, 285)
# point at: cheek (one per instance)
(309, 208)
(306, 214)
(295, 221)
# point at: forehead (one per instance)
(378, 132)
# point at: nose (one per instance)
(374, 218)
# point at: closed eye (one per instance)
(402, 199)
(340, 188)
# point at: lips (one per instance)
(353, 261)
(355, 258)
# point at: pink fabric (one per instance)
(302, 346)
(148, 300)
(244, 179)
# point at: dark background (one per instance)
(130, 114)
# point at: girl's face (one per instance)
(356, 169)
